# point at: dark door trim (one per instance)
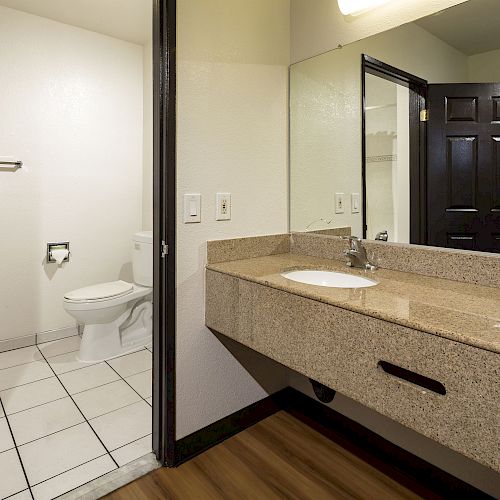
(418, 183)
(164, 218)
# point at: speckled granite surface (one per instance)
(244, 248)
(248, 302)
(480, 268)
(458, 311)
(334, 231)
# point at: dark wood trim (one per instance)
(164, 218)
(409, 470)
(418, 184)
(391, 73)
(200, 441)
(363, 143)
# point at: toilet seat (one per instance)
(102, 291)
(136, 292)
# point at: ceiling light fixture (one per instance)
(355, 7)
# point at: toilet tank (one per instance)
(142, 258)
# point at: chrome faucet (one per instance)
(357, 254)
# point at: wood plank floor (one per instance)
(278, 458)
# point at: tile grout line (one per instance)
(73, 468)
(47, 358)
(36, 406)
(17, 452)
(62, 397)
(93, 430)
(51, 434)
(19, 364)
(27, 383)
(111, 411)
(86, 482)
(140, 395)
(78, 423)
(36, 347)
(132, 442)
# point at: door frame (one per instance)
(418, 138)
(164, 233)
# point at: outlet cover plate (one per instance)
(339, 203)
(223, 206)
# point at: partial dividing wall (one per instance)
(71, 110)
(232, 73)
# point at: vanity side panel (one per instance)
(341, 349)
(221, 301)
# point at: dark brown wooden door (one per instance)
(463, 166)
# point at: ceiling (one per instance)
(471, 27)
(128, 20)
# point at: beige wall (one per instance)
(71, 110)
(325, 116)
(232, 103)
(484, 67)
(319, 26)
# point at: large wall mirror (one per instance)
(396, 137)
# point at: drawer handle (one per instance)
(414, 378)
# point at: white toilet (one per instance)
(117, 316)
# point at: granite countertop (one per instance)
(457, 311)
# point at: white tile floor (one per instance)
(64, 423)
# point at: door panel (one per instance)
(463, 163)
(495, 148)
(461, 170)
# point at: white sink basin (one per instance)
(329, 278)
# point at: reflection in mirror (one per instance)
(387, 176)
(361, 159)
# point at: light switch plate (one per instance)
(192, 208)
(339, 203)
(223, 206)
(355, 203)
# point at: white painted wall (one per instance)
(319, 26)
(232, 103)
(71, 110)
(147, 179)
(325, 115)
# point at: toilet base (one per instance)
(132, 331)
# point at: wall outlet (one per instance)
(192, 208)
(355, 203)
(223, 206)
(339, 203)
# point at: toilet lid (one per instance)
(101, 291)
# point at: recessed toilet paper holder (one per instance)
(57, 246)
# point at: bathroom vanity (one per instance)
(421, 347)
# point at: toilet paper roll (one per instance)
(59, 254)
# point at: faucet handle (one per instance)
(353, 241)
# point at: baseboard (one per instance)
(416, 474)
(37, 338)
(17, 343)
(59, 334)
(200, 441)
